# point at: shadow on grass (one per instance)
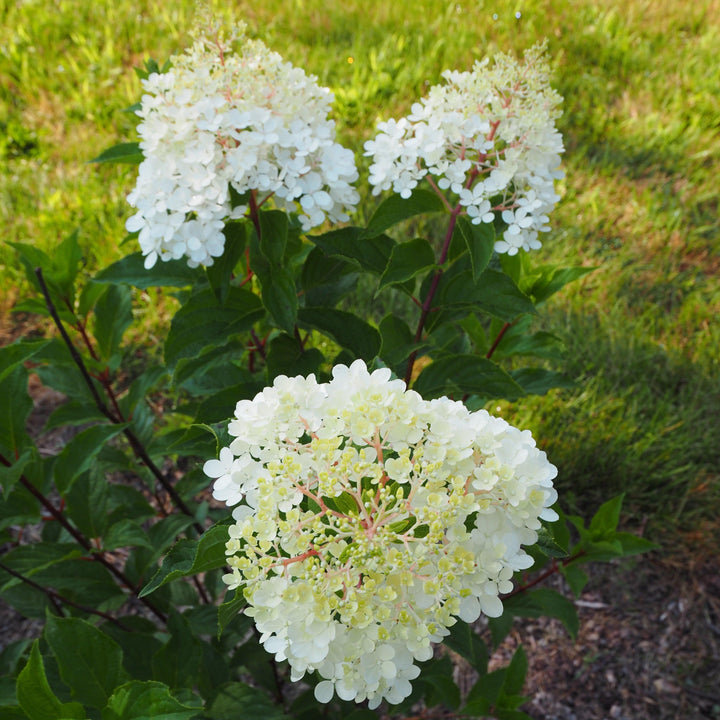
(642, 421)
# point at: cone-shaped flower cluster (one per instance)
(223, 118)
(489, 137)
(367, 519)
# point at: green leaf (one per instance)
(90, 662)
(325, 280)
(370, 254)
(221, 271)
(516, 672)
(606, 519)
(199, 439)
(347, 329)
(17, 353)
(31, 559)
(634, 545)
(458, 375)
(544, 601)
(36, 698)
(230, 609)
(178, 663)
(73, 413)
(125, 533)
(127, 152)
(113, 315)
(274, 235)
(576, 578)
(494, 293)
(279, 297)
(14, 410)
(203, 323)
(221, 406)
(408, 259)
(131, 271)
(238, 700)
(537, 381)
(146, 700)
(286, 356)
(80, 453)
(440, 689)
(343, 503)
(500, 628)
(519, 341)
(9, 476)
(189, 557)
(467, 643)
(547, 545)
(395, 209)
(480, 241)
(67, 259)
(551, 279)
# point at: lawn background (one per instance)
(640, 202)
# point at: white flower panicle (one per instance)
(368, 519)
(489, 137)
(242, 119)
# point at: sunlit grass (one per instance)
(642, 129)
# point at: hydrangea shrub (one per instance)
(377, 508)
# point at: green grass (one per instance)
(642, 129)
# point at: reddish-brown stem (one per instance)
(544, 575)
(427, 303)
(81, 539)
(258, 344)
(55, 598)
(137, 447)
(497, 340)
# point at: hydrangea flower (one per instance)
(368, 519)
(226, 118)
(489, 137)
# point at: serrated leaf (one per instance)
(516, 672)
(35, 697)
(113, 315)
(9, 476)
(189, 557)
(467, 643)
(395, 209)
(538, 381)
(17, 353)
(73, 413)
(407, 260)
(551, 279)
(229, 610)
(125, 533)
(179, 662)
(203, 323)
(31, 559)
(240, 700)
(14, 410)
(576, 578)
(221, 271)
(343, 503)
(634, 545)
(368, 253)
(480, 241)
(607, 517)
(494, 293)
(130, 270)
(325, 280)
(548, 546)
(146, 700)
(286, 356)
(127, 152)
(90, 662)
(274, 235)
(544, 601)
(459, 375)
(220, 406)
(346, 328)
(80, 453)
